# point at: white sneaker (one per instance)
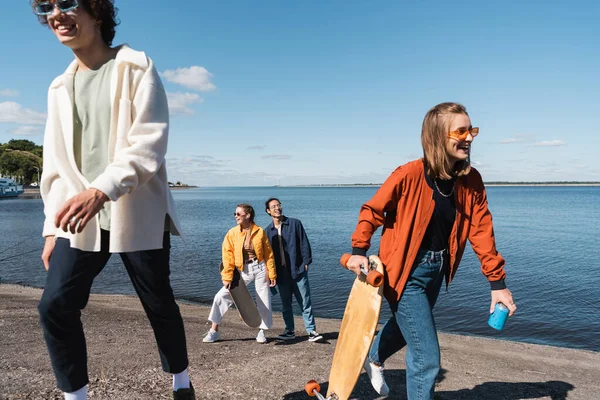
(260, 338)
(212, 336)
(376, 376)
(314, 336)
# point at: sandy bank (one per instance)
(124, 363)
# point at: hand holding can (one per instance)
(498, 317)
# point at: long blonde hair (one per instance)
(436, 126)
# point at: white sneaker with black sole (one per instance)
(287, 335)
(314, 337)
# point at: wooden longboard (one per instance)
(243, 300)
(356, 334)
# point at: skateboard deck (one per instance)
(356, 334)
(243, 300)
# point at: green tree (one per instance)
(20, 165)
(22, 144)
(21, 159)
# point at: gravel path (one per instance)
(124, 363)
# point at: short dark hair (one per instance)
(268, 201)
(248, 209)
(103, 11)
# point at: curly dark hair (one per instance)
(103, 11)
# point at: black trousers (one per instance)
(67, 291)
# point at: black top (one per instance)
(444, 214)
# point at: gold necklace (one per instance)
(440, 192)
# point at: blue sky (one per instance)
(316, 92)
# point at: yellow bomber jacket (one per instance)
(233, 245)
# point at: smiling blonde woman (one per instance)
(430, 207)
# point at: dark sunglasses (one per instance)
(47, 7)
(238, 214)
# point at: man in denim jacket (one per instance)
(293, 255)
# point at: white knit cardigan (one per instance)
(136, 177)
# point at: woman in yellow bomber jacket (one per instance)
(247, 248)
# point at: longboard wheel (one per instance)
(311, 386)
(375, 278)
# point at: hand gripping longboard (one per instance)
(373, 276)
(243, 300)
(356, 332)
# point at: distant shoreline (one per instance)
(486, 184)
(543, 184)
(183, 187)
(34, 193)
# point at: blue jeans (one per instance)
(412, 324)
(300, 288)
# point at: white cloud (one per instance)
(15, 113)
(179, 102)
(551, 143)
(256, 148)
(276, 157)
(511, 140)
(26, 130)
(8, 93)
(194, 77)
(197, 164)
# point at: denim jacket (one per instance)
(295, 246)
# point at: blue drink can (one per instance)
(498, 317)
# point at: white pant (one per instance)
(256, 272)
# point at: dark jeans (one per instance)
(67, 291)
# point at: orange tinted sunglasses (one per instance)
(462, 133)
